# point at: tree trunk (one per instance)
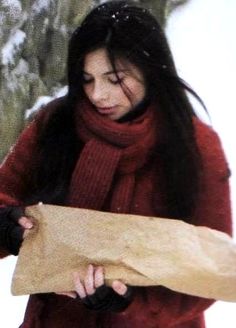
(33, 42)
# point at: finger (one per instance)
(69, 294)
(119, 287)
(26, 233)
(25, 222)
(98, 277)
(89, 280)
(79, 287)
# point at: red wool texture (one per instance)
(114, 172)
(112, 152)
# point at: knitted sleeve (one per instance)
(16, 169)
(159, 306)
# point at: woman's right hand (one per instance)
(14, 227)
(17, 215)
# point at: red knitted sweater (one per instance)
(153, 307)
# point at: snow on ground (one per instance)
(201, 37)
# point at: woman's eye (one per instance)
(86, 81)
(116, 81)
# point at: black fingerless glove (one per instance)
(11, 233)
(106, 299)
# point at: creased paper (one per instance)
(141, 251)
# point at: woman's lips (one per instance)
(106, 110)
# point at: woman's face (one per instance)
(103, 89)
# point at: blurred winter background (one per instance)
(201, 35)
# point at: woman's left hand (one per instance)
(94, 279)
(95, 295)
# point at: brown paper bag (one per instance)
(140, 251)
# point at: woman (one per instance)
(124, 139)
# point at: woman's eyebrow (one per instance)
(117, 71)
(109, 72)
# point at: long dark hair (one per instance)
(127, 31)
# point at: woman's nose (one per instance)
(99, 93)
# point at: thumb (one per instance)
(25, 222)
(119, 287)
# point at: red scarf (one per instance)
(113, 152)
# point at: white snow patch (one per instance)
(43, 100)
(61, 92)
(63, 29)
(40, 5)
(12, 46)
(14, 5)
(45, 25)
(15, 79)
(22, 68)
(14, 9)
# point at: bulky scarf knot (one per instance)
(112, 154)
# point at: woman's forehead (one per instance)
(98, 59)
